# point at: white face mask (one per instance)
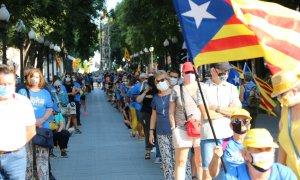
(262, 161)
(174, 81)
(189, 78)
(163, 86)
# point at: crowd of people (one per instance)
(52, 113)
(173, 112)
(157, 107)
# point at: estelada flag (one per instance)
(276, 27)
(126, 54)
(213, 33)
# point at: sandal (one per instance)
(194, 178)
(147, 155)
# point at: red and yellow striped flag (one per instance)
(265, 91)
(276, 27)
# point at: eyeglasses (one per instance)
(161, 80)
(67, 76)
(189, 72)
(238, 121)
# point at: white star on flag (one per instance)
(236, 80)
(198, 12)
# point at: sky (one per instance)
(111, 4)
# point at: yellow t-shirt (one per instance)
(284, 140)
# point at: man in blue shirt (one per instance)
(231, 147)
(259, 155)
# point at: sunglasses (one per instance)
(161, 80)
(189, 72)
(238, 121)
(57, 87)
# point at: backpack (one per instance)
(253, 99)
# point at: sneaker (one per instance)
(64, 154)
(77, 131)
(157, 160)
(153, 150)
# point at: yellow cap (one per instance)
(259, 138)
(241, 112)
(284, 81)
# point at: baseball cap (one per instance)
(222, 66)
(241, 112)
(187, 66)
(259, 138)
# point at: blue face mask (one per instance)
(68, 79)
(6, 91)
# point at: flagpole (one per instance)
(208, 116)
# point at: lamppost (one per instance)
(57, 50)
(46, 44)
(174, 52)
(40, 55)
(151, 49)
(4, 18)
(166, 44)
(31, 36)
(52, 58)
(20, 29)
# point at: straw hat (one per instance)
(284, 81)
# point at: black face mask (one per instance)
(238, 128)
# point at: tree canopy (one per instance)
(68, 23)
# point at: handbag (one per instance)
(43, 137)
(64, 110)
(193, 126)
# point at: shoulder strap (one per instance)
(224, 144)
(182, 100)
(28, 93)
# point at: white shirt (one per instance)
(223, 94)
(16, 114)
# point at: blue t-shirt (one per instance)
(135, 91)
(161, 105)
(40, 101)
(232, 155)
(77, 96)
(63, 98)
(278, 171)
(248, 86)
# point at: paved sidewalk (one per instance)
(106, 151)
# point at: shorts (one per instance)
(181, 139)
(207, 150)
(72, 108)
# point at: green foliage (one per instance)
(69, 23)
